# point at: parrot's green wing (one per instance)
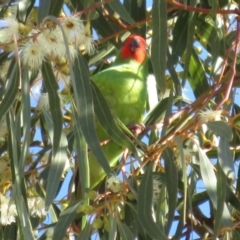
(124, 88)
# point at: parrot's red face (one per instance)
(134, 47)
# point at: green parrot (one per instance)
(125, 89)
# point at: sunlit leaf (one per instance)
(44, 6)
(58, 161)
(84, 103)
(171, 177)
(221, 205)
(197, 77)
(125, 232)
(65, 219)
(225, 158)
(221, 128)
(144, 209)
(118, 7)
(180, 35)
(208, 176)
(85, 234)
(159, 42)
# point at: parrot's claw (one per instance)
(136, 128)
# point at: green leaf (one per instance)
(113, 227)
(54, 102)
(118, 7)
(82, 153)
(159, 111)
(43, 10)
(105, 29)
(65, 219)
(58, 162)
(24, 7)
(172, 189)
(86, 232)
(159, 42)
(221, 206)
(144, 208)
(209, 34)
(11, 89)
(26, 118)
(55, 7)
(208, 176)
(101, 54)
(197, 77)
(10, 232)
(17, 195)
(131, 219)
(168, 113)
(215, 5)
(84, 103)
(174, 77)
(107, 121)
(125, 232)
(225, 158)
(180, 36)
(187, 186)
(137, 10)
(221, 128)
(190, 38)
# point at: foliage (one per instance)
(153, 191)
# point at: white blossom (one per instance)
(10, 28)
(51, 41)
(8, 211)
(115, 184)
(209, 115)
(73, 28)
(62, 51)
(43, 103)
(88, 43)
(187, 156)
(32, 54)
(36, 207)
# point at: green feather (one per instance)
(124, 88)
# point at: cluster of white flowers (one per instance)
(10, 30)
(36, 207)
(43, 103)
(8, 210)
(209, 115)
(187, 156)
(115, 184)
(48, 43)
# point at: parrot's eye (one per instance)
(135, 43)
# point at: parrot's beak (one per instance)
(134, 44)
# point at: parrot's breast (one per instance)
(124, 88)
